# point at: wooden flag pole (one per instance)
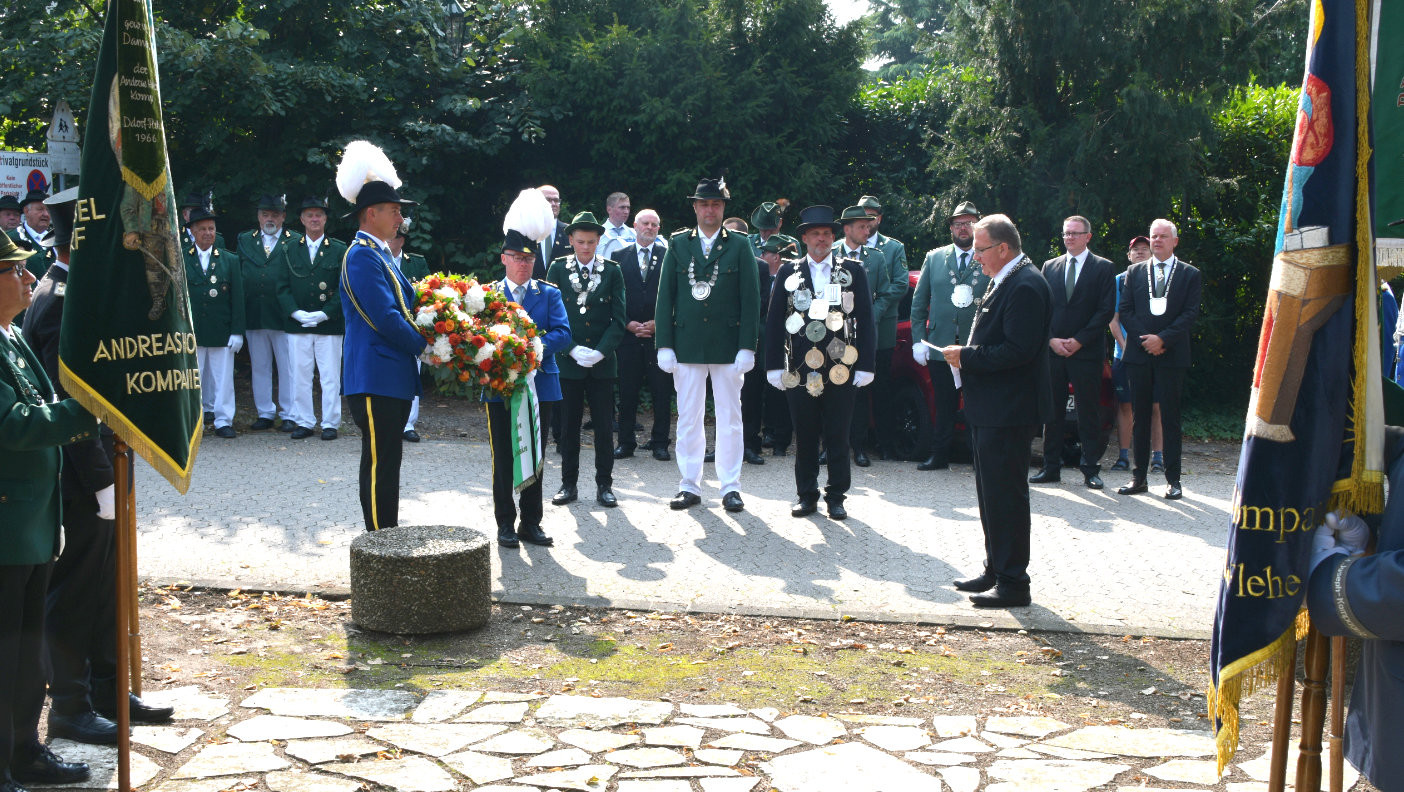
(1282, 725)
(123, 481)
(1313, 711)
(1338, 661)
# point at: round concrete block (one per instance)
(421, 579)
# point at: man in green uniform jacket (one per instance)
(263, 261)
(217, 313)
(33, 425)
(593, 291)
(33, 225)
(310, 298)
(768, 218)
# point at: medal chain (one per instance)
(1150, 279)
(692, 269)
(27, 391)
(990, 292)
(582, 286)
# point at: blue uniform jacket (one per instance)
(381, 343)
(544, 304)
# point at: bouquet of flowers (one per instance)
(479, 340)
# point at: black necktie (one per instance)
(1160, 279)
(1072, 275)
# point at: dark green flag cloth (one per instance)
(127, 348)
(1388, 127)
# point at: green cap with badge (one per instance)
(585, 221)
(767, 216)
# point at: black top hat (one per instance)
(853, 213)
(376, 192)
(272, 203)
(32, 196)
(517, 242)
(313, 202)
(818, 217)
(584, 221)
(965, 208)
(61, 208)
(192, 201)
(710, 190)
(9, 202)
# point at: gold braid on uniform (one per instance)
(394, 282)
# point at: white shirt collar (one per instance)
(617, 230)
(29, 230)
(873, 240)
(1155, 262)
(817, 269)
(512, 287)
(313, 243)
(1007, 268)
(711, 240)
(1079, 258)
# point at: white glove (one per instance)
(667, 360)
(1324, 545)
(107, 502)
(863, 378)
(302, 317)
(919, 353)
(1351, 532)
(317, 317)
(236, 343)
(583, 355)
(745, 361)
(596, 356)
(773, 377)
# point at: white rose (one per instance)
(538, 348)
(484, 353)
(447, 294)
(425, 317)
(500, 330)
(512, 375)
(442, 349)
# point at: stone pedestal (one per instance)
(421, 579)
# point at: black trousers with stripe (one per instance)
(504, 495)
(381, 420)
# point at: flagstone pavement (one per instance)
(265, 511)
(306, 740)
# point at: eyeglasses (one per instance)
(963, 224)
(18, 269)
(980, 250)
(1075, 233)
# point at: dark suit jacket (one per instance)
(640, 294)
(1004, 371)
(543, 304)
(560, 247)
(779, 310)
(1093, 302)
(1173, 327)
(87, 464)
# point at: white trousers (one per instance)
(690, 382)
(307, 351)
(414, 405)
(217, 383)
(267, 348)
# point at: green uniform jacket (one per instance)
(216, 297)
(37, 264)
(30, 437)
(895, 250)
(414, 266)
(261, 275)
(887, 282)
(313, 286)
(715, 329)
(756, 243)
(934, 317)
(599, 324)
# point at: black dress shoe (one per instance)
(411, 436)
(506, 537)
(261, 424)
(209, 417)
(860, 458)
(984, 582)
(767, 440)
(227, 432)
(623, 453)
(1121, 464)
(1173, 492)
(287, 426)
(934, 462)
(532, 534)
(803, 507)
(1093, 482)
(329, 434)
(662, 455)
(84, 727)
(301, 433)
(1136, 487)
(752, 458)
(11, 786)
(1002, 597)
(140, 711)
(780, 451)
(836, 510)
(732, 502)
(566, 494)
(1046, 476)
(684, 500)
(44, 767)
(605, 497)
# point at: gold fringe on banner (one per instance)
(1244, 677)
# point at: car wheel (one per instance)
(913, 424)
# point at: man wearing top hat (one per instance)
(263, 261)
(707, 327)
(378, 366)
(188, 205)
(543, 303)
(821, 342)
(217, 313)
(641, 263)
(767, 219)
(80, 618)
(947, 297)
(311, 302)
(34, 223)
(593, 291)
(416, 269)
(34, 423)
(10, 216)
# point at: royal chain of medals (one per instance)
(581, 286)
(701, 290)
(962, 286)
(822, 321)
(990, 292)
(1158, 305)
(14, 362)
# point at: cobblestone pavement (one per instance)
(307, 740)
(267, 511)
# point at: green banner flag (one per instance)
(1388, 129)
(127, 349)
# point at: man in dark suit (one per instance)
(774, 407)
(555, 245)
(1159, 306)
(821, 346)
(1084, 298)
(1004, 371)
(640, 262)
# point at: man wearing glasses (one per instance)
(1084, 294)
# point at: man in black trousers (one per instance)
(640, 262)
(1083, 290)
(1004, 371)
(1159, 306)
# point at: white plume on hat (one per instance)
(363, 163)
(530, 215)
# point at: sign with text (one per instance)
(22, 171)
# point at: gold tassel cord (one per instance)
(1244, 677)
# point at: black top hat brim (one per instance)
(373, 193)
(836, 227)
(198, 214)
(517, 242)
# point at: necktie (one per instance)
(519, 294)
(1072, 275)
(964, 265)
(267, 246)
(1160, 279)
(643, 261)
